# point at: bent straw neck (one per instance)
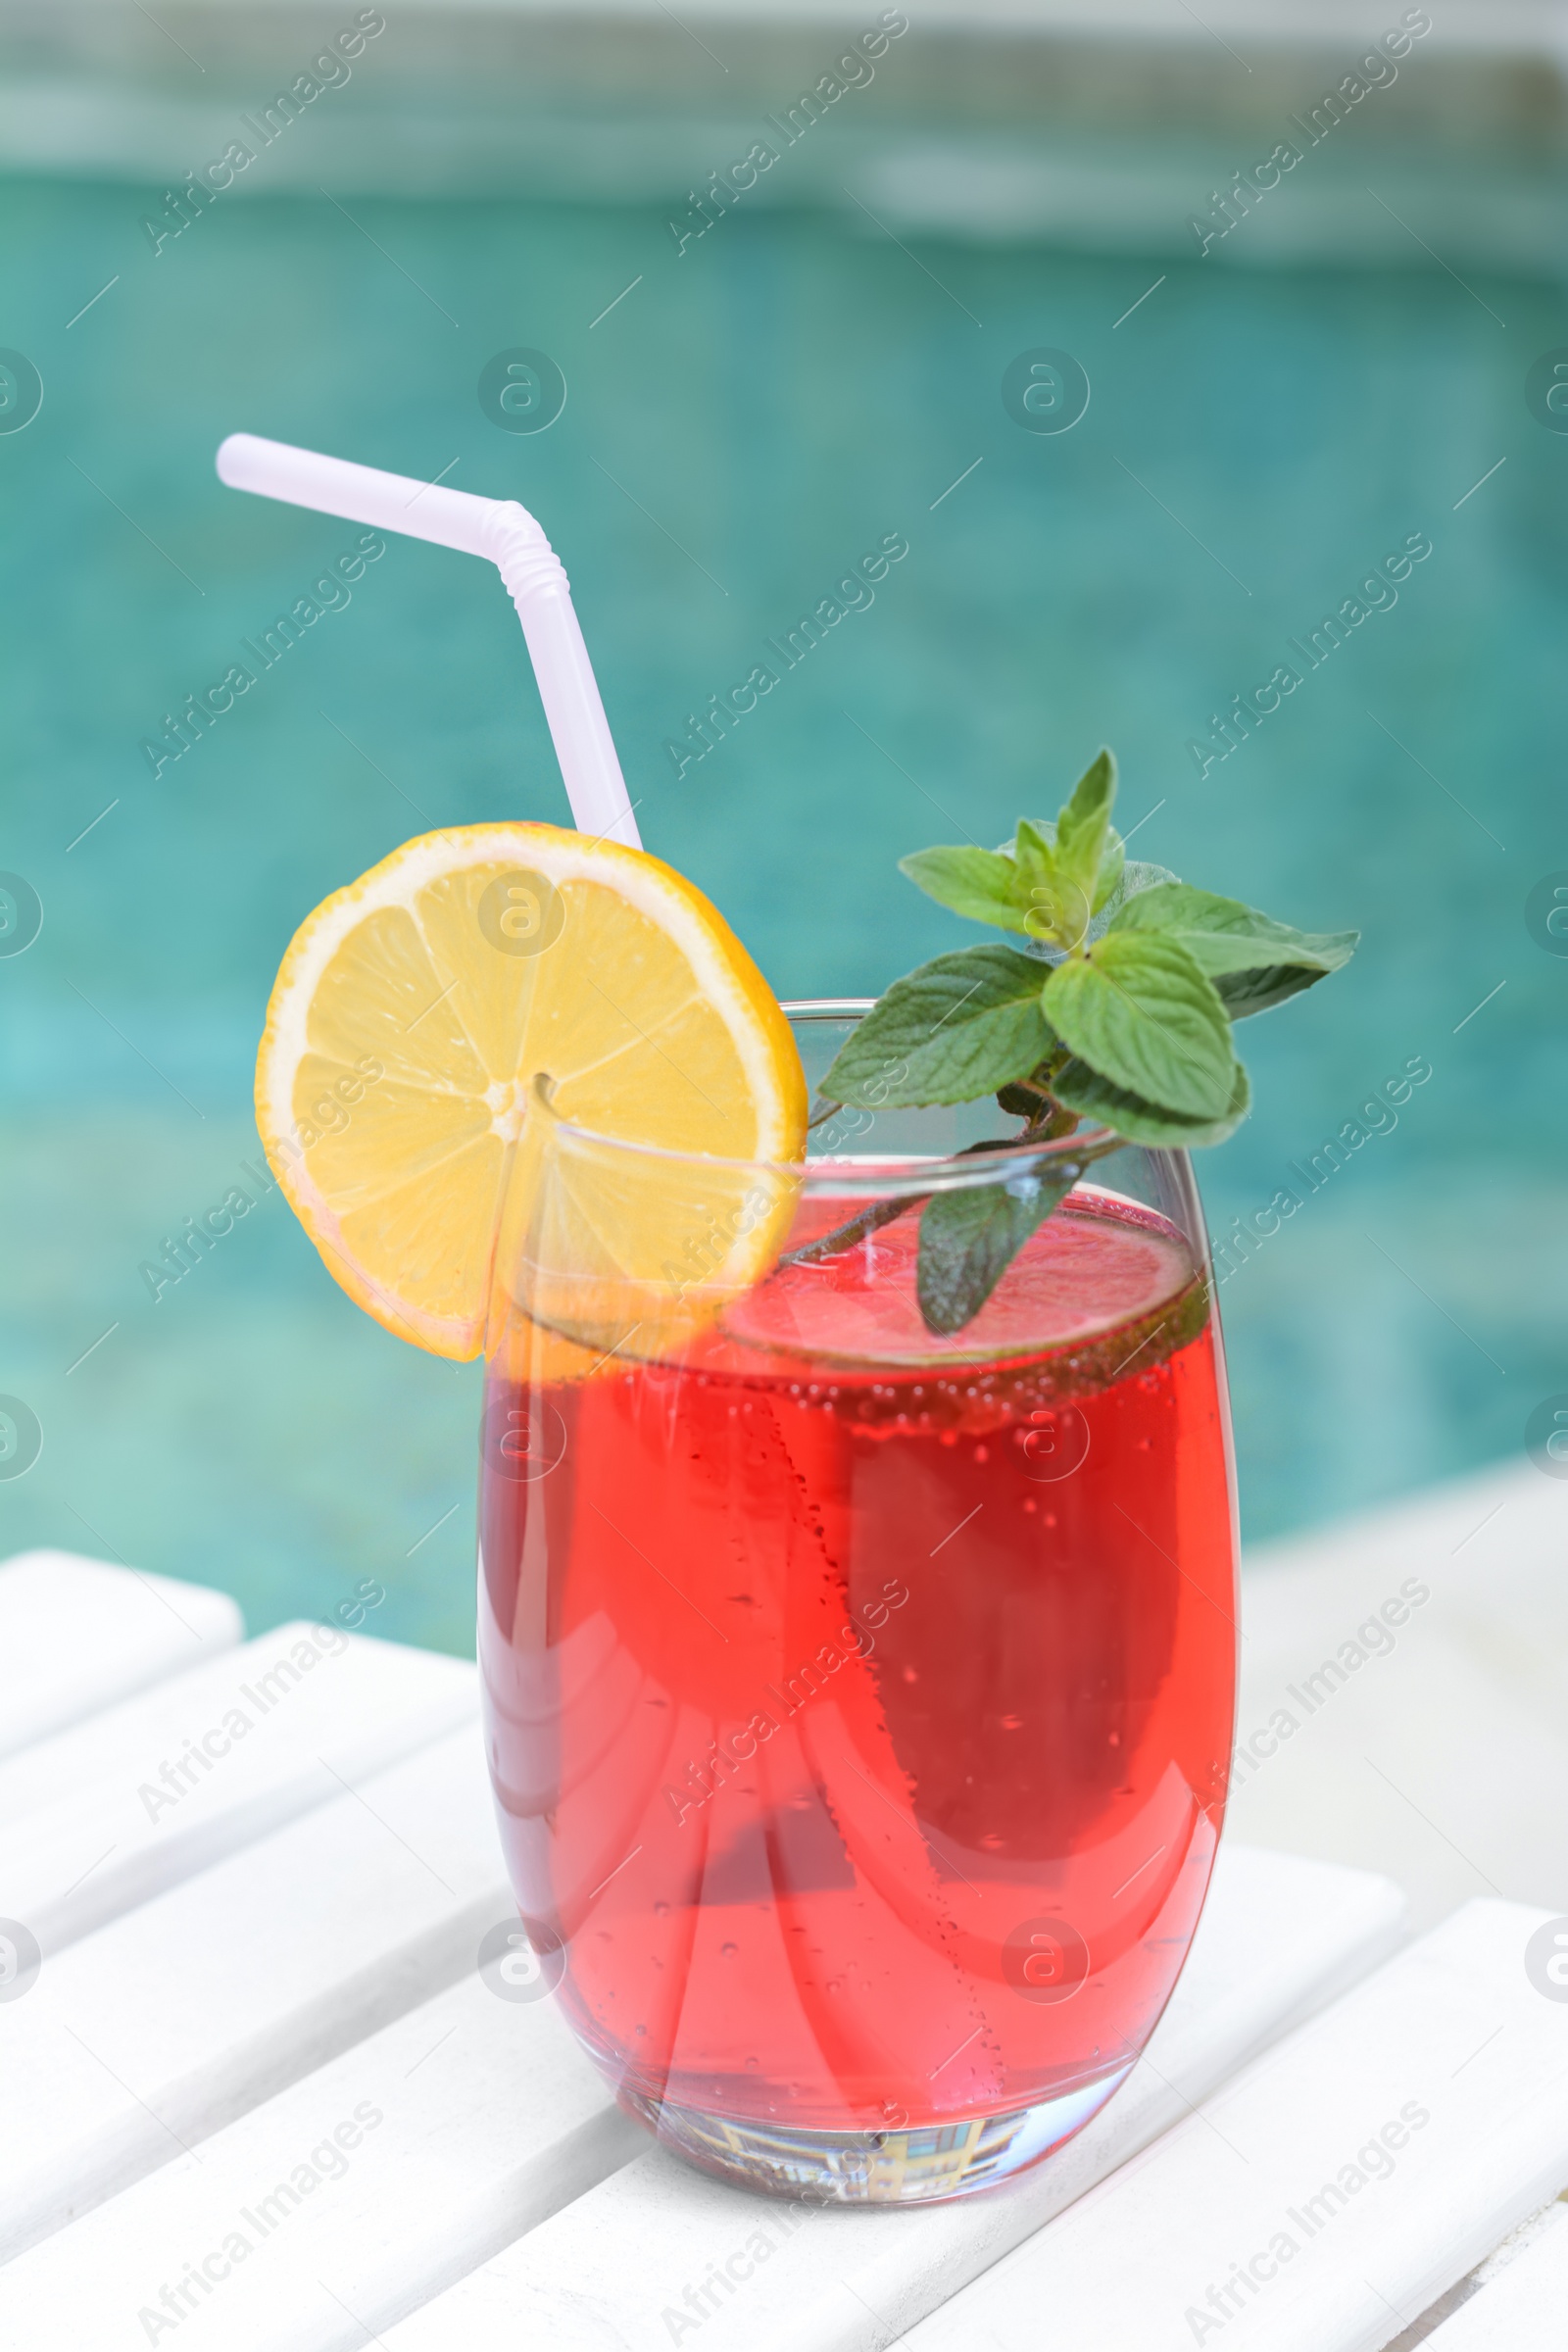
(507, 537)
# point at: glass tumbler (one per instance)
(858, 1700)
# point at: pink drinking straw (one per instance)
(528, 566)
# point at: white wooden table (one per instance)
(256, 2093)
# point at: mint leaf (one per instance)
(1253, 961)
(1112, 865)
(968, 1239)
(1138, 1010)
(1137, 876)
(1082, 829)
(1224, 935)
(1057, 909)
(981, 884)
(959, 1027)
(1034, 852)
(1082, 1090)
(1241, 993)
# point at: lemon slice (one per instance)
(465, 998)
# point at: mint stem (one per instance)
(883, 1212)
(828, 1245)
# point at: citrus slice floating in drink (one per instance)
(481, 994)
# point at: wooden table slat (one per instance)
(77, 1635)
(113, 1811)
(1523, 2307)
(344, 2201)
(621, 2269)
(1328, 2195)
(148, 2035)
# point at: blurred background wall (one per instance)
(760, 381)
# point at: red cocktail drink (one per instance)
(859, 1703)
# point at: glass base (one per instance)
(913, 2167)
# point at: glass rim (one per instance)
(853, 1175)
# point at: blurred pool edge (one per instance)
(1091, 129)
(270, 1427)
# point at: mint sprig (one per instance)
(1129, 1023)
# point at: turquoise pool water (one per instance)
(738, 429)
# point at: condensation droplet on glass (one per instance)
(727, 1951)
